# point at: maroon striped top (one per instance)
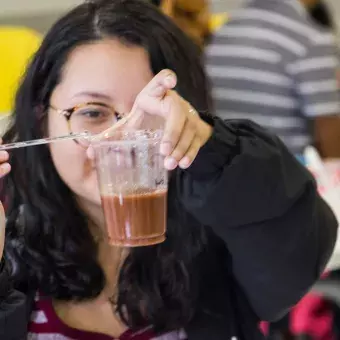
(46, 325)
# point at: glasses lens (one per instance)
(92, 118)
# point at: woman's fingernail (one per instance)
(166, 148)
(185, 162)
(170, 163)
(4, 155)
(170, 80)
(5, 168)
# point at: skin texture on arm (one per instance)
(319, 94)
(326, 128)
(327, 136)
(327, 132)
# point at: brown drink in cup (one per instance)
(133, 187)
(137, 219)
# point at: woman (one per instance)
(247, 233)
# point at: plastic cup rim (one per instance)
(156, 137)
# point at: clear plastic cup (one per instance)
(133, 185)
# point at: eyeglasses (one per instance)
(92, 117)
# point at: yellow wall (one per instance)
(17, 45)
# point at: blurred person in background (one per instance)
(322, 15)
(193, 17)
(274, 65)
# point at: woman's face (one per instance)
(107, 72)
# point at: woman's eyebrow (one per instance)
(93, 94)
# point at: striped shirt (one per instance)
(270, 63)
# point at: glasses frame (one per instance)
(67, 113)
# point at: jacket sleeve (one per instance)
(13, 310)
(257, 197)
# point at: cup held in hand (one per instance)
(133, 187)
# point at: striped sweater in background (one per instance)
(270, 63)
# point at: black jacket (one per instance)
(272, 235)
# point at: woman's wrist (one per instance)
(216, 151)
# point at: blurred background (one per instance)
(40, 14)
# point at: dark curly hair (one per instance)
(48, 244)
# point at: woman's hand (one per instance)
(184, 131)
(4, 170)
